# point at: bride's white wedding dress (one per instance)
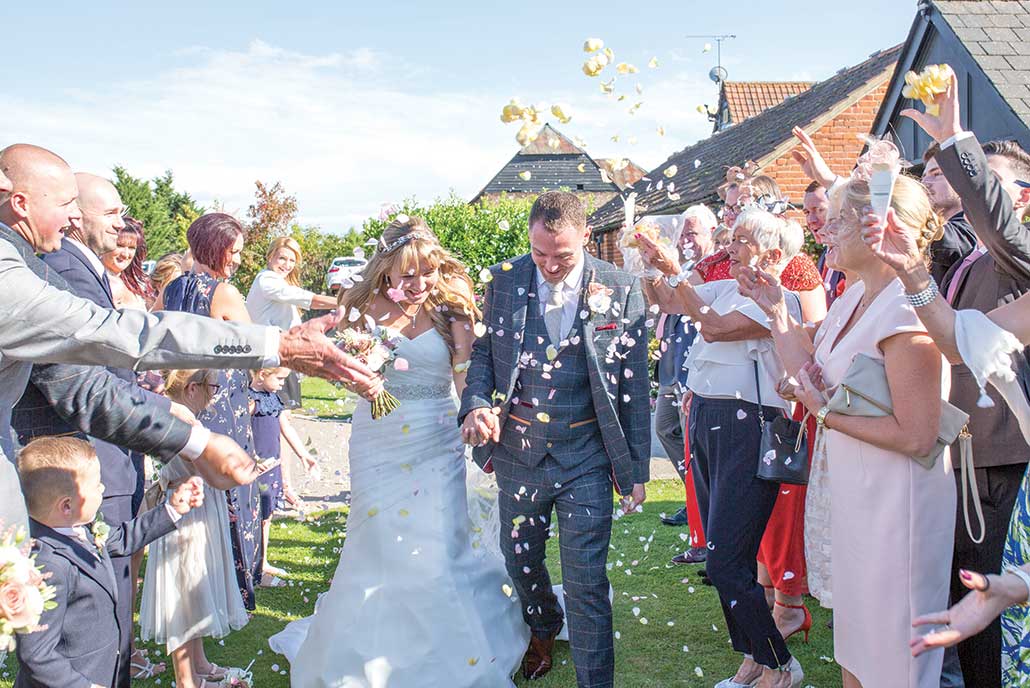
(417, 600)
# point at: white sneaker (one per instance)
(730, 683)
(797, 675)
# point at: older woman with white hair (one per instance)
(734, 374)
(675, 335)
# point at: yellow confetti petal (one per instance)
(405, 429)
(552, 352)
(403, 512)
(372, 512)
(525, 175)
(653, 63)
(543, 417)
(670, 171)
(506, 266)
(528, 133)
(507, 590)
(593, 66)
(609, 54)
(661, 130)
(473, 661)
(582, 167)
(561, 112)
(626, 68)
(479, 329)
(592, 45)
(485, 275)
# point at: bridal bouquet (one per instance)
(375, 347)
(24, 594)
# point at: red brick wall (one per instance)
(838, 140)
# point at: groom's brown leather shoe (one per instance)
(537, 660)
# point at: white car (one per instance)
(341, 270)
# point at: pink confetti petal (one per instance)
(400, 364)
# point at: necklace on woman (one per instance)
(410, 316)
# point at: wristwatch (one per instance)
(820, 417)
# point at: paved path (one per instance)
(329, 441)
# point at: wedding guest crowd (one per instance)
(901, 356)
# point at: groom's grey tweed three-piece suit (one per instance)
(573, 424)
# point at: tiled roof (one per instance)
(745, 99)
(700, 168)
(552, 161)
(997, 35)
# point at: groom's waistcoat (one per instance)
(552, 410)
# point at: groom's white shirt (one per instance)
(571, 286)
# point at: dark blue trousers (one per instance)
(582, 500)
(735, 508)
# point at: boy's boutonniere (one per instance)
(599, 297)
(101, 531)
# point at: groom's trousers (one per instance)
(581, 496)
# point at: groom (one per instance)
(565, 360)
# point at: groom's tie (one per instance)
(553, 312)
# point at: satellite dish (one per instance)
(718, 74)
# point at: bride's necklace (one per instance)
(412, 316)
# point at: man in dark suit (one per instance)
(566, 433)
(77, 261)
(991, 182)
(958, 240)
(79, 643)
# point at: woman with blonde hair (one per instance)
(167, 268)
(879, 494)
(276, 297)
(432, 610)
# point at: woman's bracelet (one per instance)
(1023, 576)
(675, 280)
(924, 297)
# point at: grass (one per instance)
(323, 399)
(677, 639)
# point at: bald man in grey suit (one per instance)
(41, 323)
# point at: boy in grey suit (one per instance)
(566, 356)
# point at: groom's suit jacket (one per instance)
(616, 349)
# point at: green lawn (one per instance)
(667, 649)
(323, 399)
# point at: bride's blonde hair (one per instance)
(409, 243)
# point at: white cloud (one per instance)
(345, 132)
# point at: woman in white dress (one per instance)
(413, 602)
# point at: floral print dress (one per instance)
(228, 414)
(1015, 621)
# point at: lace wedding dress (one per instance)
(417, 599)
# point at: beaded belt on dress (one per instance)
(438, 391)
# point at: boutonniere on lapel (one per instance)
(599, 297)
(101, 531)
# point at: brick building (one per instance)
(742, 100)
(837, 112)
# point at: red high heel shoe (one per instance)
(805, 626)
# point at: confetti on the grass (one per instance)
(697, 670)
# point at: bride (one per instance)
(416, 599)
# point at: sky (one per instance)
(355, 106)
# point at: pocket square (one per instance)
(603, 328)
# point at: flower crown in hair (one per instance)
(397, 243)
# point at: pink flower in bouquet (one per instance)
(15, 606)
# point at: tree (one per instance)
(166, 214)
(270, 216)
(478, 235)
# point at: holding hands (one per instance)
(811, 390)
(481, 426)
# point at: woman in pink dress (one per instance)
(878, 494)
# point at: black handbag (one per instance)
(783, 452)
